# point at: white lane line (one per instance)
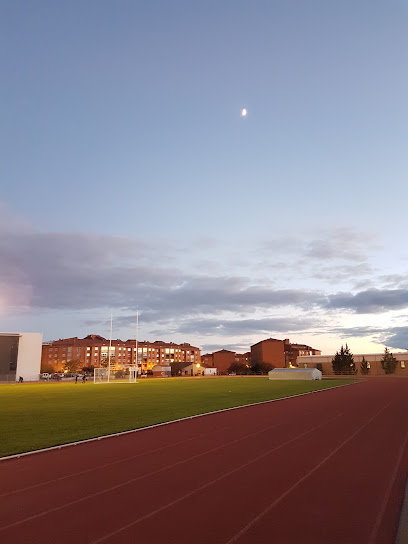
(86, 440)
(208, 484)
(136, 479)
(238, 535)
(112, 463)
(380, 515)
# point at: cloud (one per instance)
(244, 326)
(77, 272)
(370, 301)
(396, 337)
(82, 271)
(238, 348)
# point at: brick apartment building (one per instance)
(279, 353)
(93, 350)
(223, 359)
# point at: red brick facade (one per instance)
(93, 351)
(269, 351)
(279, 353)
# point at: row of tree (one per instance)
(343, 362)
(256, 368)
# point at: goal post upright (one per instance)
(110, 346)
(137, 355)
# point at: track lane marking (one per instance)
(208, 484)
(139, 429)
(380, 515)
(132, 480)
(238, 535)
(112, 463)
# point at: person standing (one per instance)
(84, 378)
(76, 378)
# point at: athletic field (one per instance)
(325, 468)
(35, 416)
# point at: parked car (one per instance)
(45, 376)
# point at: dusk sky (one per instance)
(130, 182)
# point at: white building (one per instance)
(20, 356)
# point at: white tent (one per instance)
(295, 374)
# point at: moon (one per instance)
(243, 112)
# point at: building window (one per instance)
(402, 364)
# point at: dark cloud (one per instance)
(238, 348)
(354, 332)
(239, 327)
(393, 337)
(74, 271)
(370, 301)
(396, 337)
(88, 272)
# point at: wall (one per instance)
(223, 359)
(373, 358)
(29, 356)
(269, 351)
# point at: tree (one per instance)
(47, 368)
(343, 362)
(364, 367)
(73, 366)
(388, 362)
(238, 368)
(262, 367)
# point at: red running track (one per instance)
(322, 468)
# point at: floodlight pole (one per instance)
(110, 345)
(137, 327)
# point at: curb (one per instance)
(402, 534)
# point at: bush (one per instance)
(120, 374)
(237, 368)
(262, 367)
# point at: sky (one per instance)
(130, 182)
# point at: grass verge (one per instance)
(35, 416)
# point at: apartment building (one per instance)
(279, 353)
(223, 359)
(93, 351)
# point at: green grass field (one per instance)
(35, 416)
